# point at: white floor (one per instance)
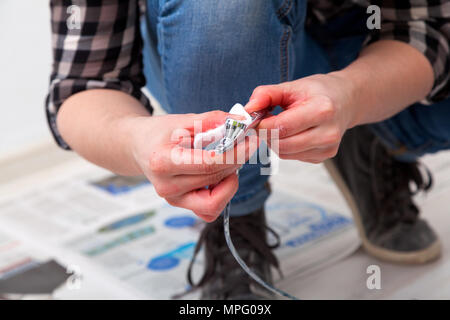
(347, 279)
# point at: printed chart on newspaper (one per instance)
(120, 226)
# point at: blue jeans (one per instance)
(204, 55)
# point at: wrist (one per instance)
(127, 131)
(351, 96)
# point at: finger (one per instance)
(181, 184)
(317, 137)
(196, 161)
(186, 161)
(313, 156)
(242, 151)
(302, 116)
(268, 96)
(208, 203)
(206, 218)
(209, 120)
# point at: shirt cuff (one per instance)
(430, 42)
(60, 90)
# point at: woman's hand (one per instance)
(161, 147)
(387, 77)
(113, 130)
(317, 111)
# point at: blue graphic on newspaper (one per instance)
(304, 222)
(180, 222)
(117, 185)
(172, 258)
(128, 221)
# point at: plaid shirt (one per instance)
(107, 51)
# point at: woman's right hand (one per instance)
(161, 148)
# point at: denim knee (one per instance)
(214, 53)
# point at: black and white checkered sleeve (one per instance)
(425, 25)
(105, 52)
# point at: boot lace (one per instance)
(394, 183)
(249, 236)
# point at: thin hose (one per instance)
(254, 276)
(223, 146)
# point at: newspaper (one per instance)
(16, 256)
(141, 245)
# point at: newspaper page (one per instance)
(127, 233)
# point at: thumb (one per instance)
(267, 96)
(210, 120)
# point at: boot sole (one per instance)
(416, 257)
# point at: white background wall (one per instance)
(25, 62)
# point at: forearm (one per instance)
(387, 77)
(95, 124)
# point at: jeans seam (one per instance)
(284, 54)
(284, 61)
(162, 53)
(284, 9)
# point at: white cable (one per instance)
(254, 276)
(227, 135)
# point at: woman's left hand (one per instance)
(317, 111)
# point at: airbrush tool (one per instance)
(236, 130)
